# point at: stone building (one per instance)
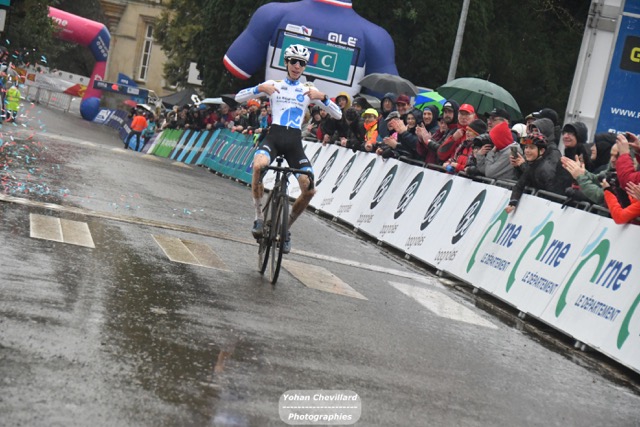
(133, 51)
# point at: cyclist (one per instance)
(289, 101)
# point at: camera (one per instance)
(481, 140)
(514, 151)
(612, 178)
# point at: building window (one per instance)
(146, 54)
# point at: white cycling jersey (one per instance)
(290, 104)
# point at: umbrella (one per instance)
(372, 100)
(384, 83)
(424, 99)
(130, 103)
(482, 94)
(214, 101)
(146, 107)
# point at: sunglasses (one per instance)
(298, 61)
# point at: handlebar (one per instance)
(288, 170)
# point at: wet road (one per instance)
(116, 333)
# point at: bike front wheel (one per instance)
(264, 243)
(279, 235)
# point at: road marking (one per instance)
(425, 278)
(441, 305)
(182, 165)
(60, 230)
(320, 278)
(188, 252)
(151, 157)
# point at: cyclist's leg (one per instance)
(303, 199)
(261, 160)
(297, 159)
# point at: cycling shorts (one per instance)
(285, 141)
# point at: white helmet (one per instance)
(297, 51)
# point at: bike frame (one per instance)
(276, 214)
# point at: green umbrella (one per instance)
(482, 94)
(424, 99)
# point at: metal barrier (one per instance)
(48, 98)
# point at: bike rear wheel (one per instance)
(279, 234)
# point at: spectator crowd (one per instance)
(536, 154)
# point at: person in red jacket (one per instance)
(619, 214)
(624, 166)
(138, 124)
(465, 150)
(466, 114)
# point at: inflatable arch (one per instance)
(96, 37)
(344, 46)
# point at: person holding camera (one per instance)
(464, 151)
(619, 214)
(624, 166)
(539, 174)
(590, 184)
(497, 156)
(401, 142)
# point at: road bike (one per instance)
(276, 219)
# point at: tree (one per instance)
(30, 34)
(179, 31)
(529, 47)
(29, 31)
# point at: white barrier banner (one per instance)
(415, 210)
(599, 303)
(342, 186)
(400, 182)
(455, 219)
(330, 177)
(523, 258)
(572, 269)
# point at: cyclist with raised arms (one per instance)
(289, 100)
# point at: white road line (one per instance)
(60, 230)
(441, 305)
(320, 278)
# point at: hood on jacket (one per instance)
(436, 114)
(501, 136)
(391, 97)
(604, 142)
(579, 129)
(346, 95)
(456, 108)
(545, 126)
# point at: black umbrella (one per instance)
(384, 83)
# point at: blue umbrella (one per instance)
(424, 99)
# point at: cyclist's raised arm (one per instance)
(330, 107)
(256, 91)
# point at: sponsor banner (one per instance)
(619, 111)
(328, 175)
(166, 142)
(103, 116)
(524, 258)
(374, 177)
(336, 193)
(452, 221)
(599, 302)
(416, 210)
(400, 180)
